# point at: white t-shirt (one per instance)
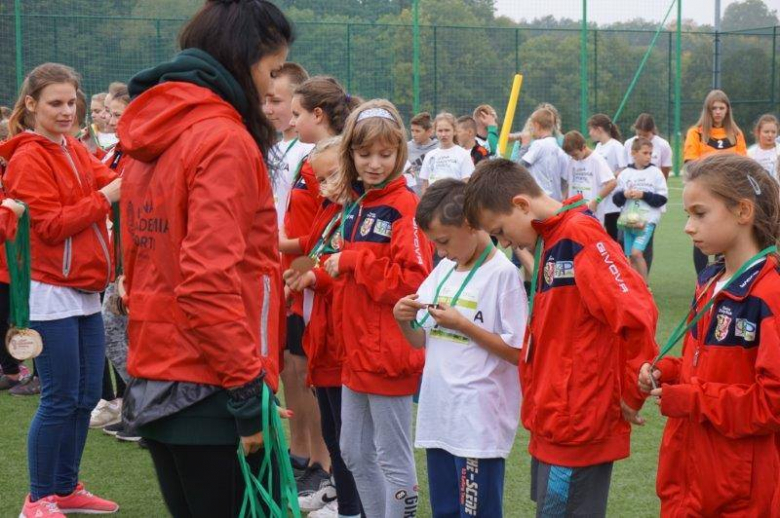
(106, 140)
(615, 155)
(547, 163)
(587, 177)
(283, 160)
(470, 398)
(454, 162)
(649, 179)
(662, 152)
(766, 157)
(49, 302)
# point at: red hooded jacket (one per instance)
(323, 345)
(305, 199)
(200, 239)
(719, 450)
(69, 243)
(592, 329)
(385, 257)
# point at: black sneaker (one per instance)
(114, 429)
(299, 465)
(314, 479)
(128, 436)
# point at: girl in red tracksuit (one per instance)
(320, 107)
(321, 342)
(719, 454)
(384, 257)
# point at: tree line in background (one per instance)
(468, 54)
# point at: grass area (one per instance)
(124, 472)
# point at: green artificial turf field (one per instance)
(123, 472)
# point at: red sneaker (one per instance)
(43, 508)
(84, 502)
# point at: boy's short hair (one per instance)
(544, 118)
(493, 185)
(469, 122)
(422, 119)
(639, 143)
(295, 73)
(115, 88)
(573, 141)
(442, 200)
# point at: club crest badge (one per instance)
(722, 327)
(368, 223)
(549, 271)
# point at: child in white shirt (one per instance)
(588, 173)
(470, 315)
(642, 192)
(449, 160)
(766, 150)
(545, 160)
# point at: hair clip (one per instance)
(348, 98)
(754, 185)
(375, 112)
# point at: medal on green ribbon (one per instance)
(22, 342)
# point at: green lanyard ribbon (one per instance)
(17, 252)
(259, 499)
(325, 239)
(538, 256)
(684, 326)
(480, 261)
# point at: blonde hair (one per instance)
(445, 117)
(361, 134)
(556, 116)
(767, 118)
(543, 118)
(705, 119)
(324, 145)
(40, 77)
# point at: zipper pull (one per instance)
(696, 357)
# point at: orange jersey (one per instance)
(696, 147)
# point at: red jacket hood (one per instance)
(9, 147)
(156, 118)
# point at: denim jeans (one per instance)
(71, 372)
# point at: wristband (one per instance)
(599, 199)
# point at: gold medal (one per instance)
(116, 304)
(23, 344)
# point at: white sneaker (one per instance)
(106, 413)
(317, 500)
(331, 510)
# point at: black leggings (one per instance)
(7, 362)
(202, 481)
(108, 387)
(329, 401)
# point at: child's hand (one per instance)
(447, 316)
(657, 393)
(302, 281)
(14, 205)
(406, 309)
(631, 415)
(285, 413)
(332, 265)
(593, 206)
(645, 382)
(486, 118)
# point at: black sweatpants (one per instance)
(202, 481)
(7, 362)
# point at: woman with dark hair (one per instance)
(199, 230)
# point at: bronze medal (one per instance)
(23, 344)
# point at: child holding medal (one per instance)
(320, 107)
(469, 315)
(384, 256)
(591, 326)
(321, 341)
(719, 453)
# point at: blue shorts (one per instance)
(637, 239)
(465, 488)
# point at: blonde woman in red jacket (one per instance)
(69, 193)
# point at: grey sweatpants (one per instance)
(116, 335)
(376, 445)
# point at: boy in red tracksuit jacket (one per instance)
(719, 453)
(384, 257)
(592, 324)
